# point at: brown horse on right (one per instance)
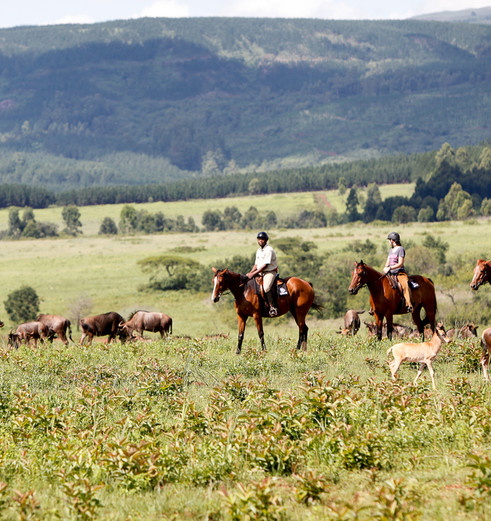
(386, 301)
(482, 274)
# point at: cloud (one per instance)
(166, 9)
(292, 9)
(72, 19)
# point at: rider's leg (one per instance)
(270, 293)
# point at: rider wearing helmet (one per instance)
(267, 266)
(395, 266)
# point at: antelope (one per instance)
(486, 351)
(424, 353)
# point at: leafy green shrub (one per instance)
(22, 305)
(253, 502)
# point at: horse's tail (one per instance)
(389, 350)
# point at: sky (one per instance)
(48, 12)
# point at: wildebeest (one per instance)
(399, 331)
(147, 321)
(57, 325)
(352, 321)
(467, 331)
(27, 331)
(102, 325)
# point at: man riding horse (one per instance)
(266, 265)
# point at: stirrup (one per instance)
(273, 312)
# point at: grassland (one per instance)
(105, 269)
(185, 429)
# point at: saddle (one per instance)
(279, 284)
(281, 291)
(396, 285)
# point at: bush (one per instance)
(22, 305)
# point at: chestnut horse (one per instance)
(482, 274)
(299, 300)
(386, 301)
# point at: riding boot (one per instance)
(273, 306)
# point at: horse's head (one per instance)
(219, 284)
(481, 274)
(358, 278)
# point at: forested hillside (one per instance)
(153, 100)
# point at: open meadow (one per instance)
(183, 428)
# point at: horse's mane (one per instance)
(370, 268)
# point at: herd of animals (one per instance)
(112, 324)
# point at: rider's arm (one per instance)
(255, 270)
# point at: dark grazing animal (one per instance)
(467, 331)
(27, 332)
(102, 325)
(352, 321)
(399, 331)
(147, 321)
(57, 325)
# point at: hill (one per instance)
(153, 100)
(477, 16)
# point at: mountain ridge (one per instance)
(209, 96)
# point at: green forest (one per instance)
(152, 101)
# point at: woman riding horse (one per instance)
(386, 301)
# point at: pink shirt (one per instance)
(394, 254)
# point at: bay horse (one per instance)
(386, 301)
(299, 300)
(482, 274)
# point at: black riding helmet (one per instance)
(262, 235)
(394, 236)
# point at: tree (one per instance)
(179, 272)
(128, 219)
(80, 308)
(352, 206)
(404, 214)
(426, 215)
(342, 185)
(457, 204)
(212, 220)
(15, 224)
(22, 305)
(108, 227)
(373, 202)
(71, 216)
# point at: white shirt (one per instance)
(266, 256)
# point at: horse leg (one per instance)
(302, 329)
(417, 320)
(260, 330)
(242, 322)
(379, 322)
(390, 326)
(302, 337)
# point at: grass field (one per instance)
(105, 270)
(185, 429)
